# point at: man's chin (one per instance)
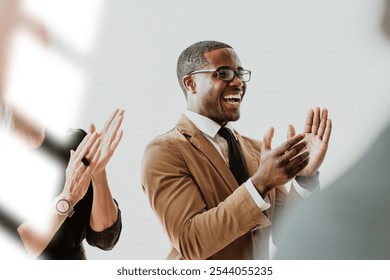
(234, 117)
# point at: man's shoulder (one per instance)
(166, 137)
(168, 141)
(251, 140)
(255, 143)
(161, 151)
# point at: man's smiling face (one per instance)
(214, 98)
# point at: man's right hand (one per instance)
(280, 165)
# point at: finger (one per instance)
(324, 118)
(94, 148)
(121, 112)
(116, 141)
(84, 147)
(289, 144)
(110, 119)
(328, 131)
(298, 168)
(290, 131)
(298, 159)
(91, 153)
(316, 120)
(83, 142)
(309, 121)
(294, 151)
(113, 130)
(94, 161)
(71, 156)
(92, 128)
(267, 140)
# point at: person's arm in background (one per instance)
(9, 14)
(105, 214)
(37, 233)
(11, 18)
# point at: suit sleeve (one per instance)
(195, 231)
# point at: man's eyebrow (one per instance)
(223, 67)
(227, 67)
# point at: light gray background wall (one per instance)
(302, 53)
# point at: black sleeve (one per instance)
(107, 238)
(10, 224)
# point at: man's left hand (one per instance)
(318, 128)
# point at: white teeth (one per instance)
(232, 96)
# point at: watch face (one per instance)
(63, 206)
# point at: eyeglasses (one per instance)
(227, 74)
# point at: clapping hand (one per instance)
(110, 137)
(81, 165)
(278, 166)
(318, 128)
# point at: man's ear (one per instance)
(189, 84)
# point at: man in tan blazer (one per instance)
(205, 210)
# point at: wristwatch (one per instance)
(64, 207)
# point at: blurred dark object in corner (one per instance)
(385, 25)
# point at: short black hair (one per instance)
(192, 58)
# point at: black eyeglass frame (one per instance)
(236, 73)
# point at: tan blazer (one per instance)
(204, 212)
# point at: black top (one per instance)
(67, 242)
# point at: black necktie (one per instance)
(236, 161)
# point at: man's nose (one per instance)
(236, 81)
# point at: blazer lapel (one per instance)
(201, 143)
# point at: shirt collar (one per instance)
(205, 124)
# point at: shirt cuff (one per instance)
(260, 202)
(305, 186)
